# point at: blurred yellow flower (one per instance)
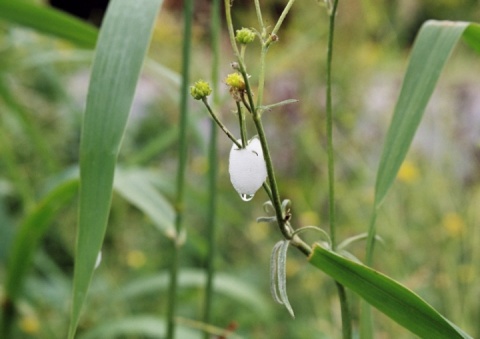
(136, 259)
(453, 224)
(408, 172)
(29, 324)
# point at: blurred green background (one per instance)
(429, 222)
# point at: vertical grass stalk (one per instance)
(345, 311)
(212, 170)
(182, 161)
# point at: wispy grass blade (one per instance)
(120, 52)
(50, 21)
(433, 46)
(134, 186)
(388, 296)
(31, 232)
(143, 326)
(25, 243)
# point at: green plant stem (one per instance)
(211, 225)
(330, 149)
(282, 16)
(366, 319)
(285, 228)
(275, 195)
(243, 128)
(261, 74)
(213, 171)
(220, 124)
(264, 50)
(371, 237)
(238, 55)
(182, 161)
(258, 10)
(228, 18)
(345, 311)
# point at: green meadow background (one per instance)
(429, 221)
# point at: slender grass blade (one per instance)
(119, 56)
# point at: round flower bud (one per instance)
(235, 80)
(200, 90)
(247, 168)
(245, 36)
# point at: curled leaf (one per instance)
(278, 274)
(266, 219)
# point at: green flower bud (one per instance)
(235, 81)
(245, 36)
(200, 90)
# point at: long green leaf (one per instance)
(50, 21)
(433, 46)
(135, 187)
(472, 36)
(388, 296)
(149, 326)
(31, 232)
(120, 52)
(224, 284)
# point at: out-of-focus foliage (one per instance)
(429, 221)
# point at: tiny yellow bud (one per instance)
(235, 80)
(200, 90)
(245, 36)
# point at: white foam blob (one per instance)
(247, 168)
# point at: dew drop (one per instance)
(246, 197)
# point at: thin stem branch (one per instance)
(275, 195)
(258, 10)
(261, 74)
(243, 128)
(231, 33)
(345, 311)
(213, 171)
(182, 161)
(330, 149)
(282, 16)
(220, 124)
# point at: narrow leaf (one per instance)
(120, 52)
(50, 21)
(273, 273)
(266, 219)
(388, 296)
(282, 275)
(472, 36)
(31, 231)
(135, 187)
(149, 326)
(232, 287)
(433, 46)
